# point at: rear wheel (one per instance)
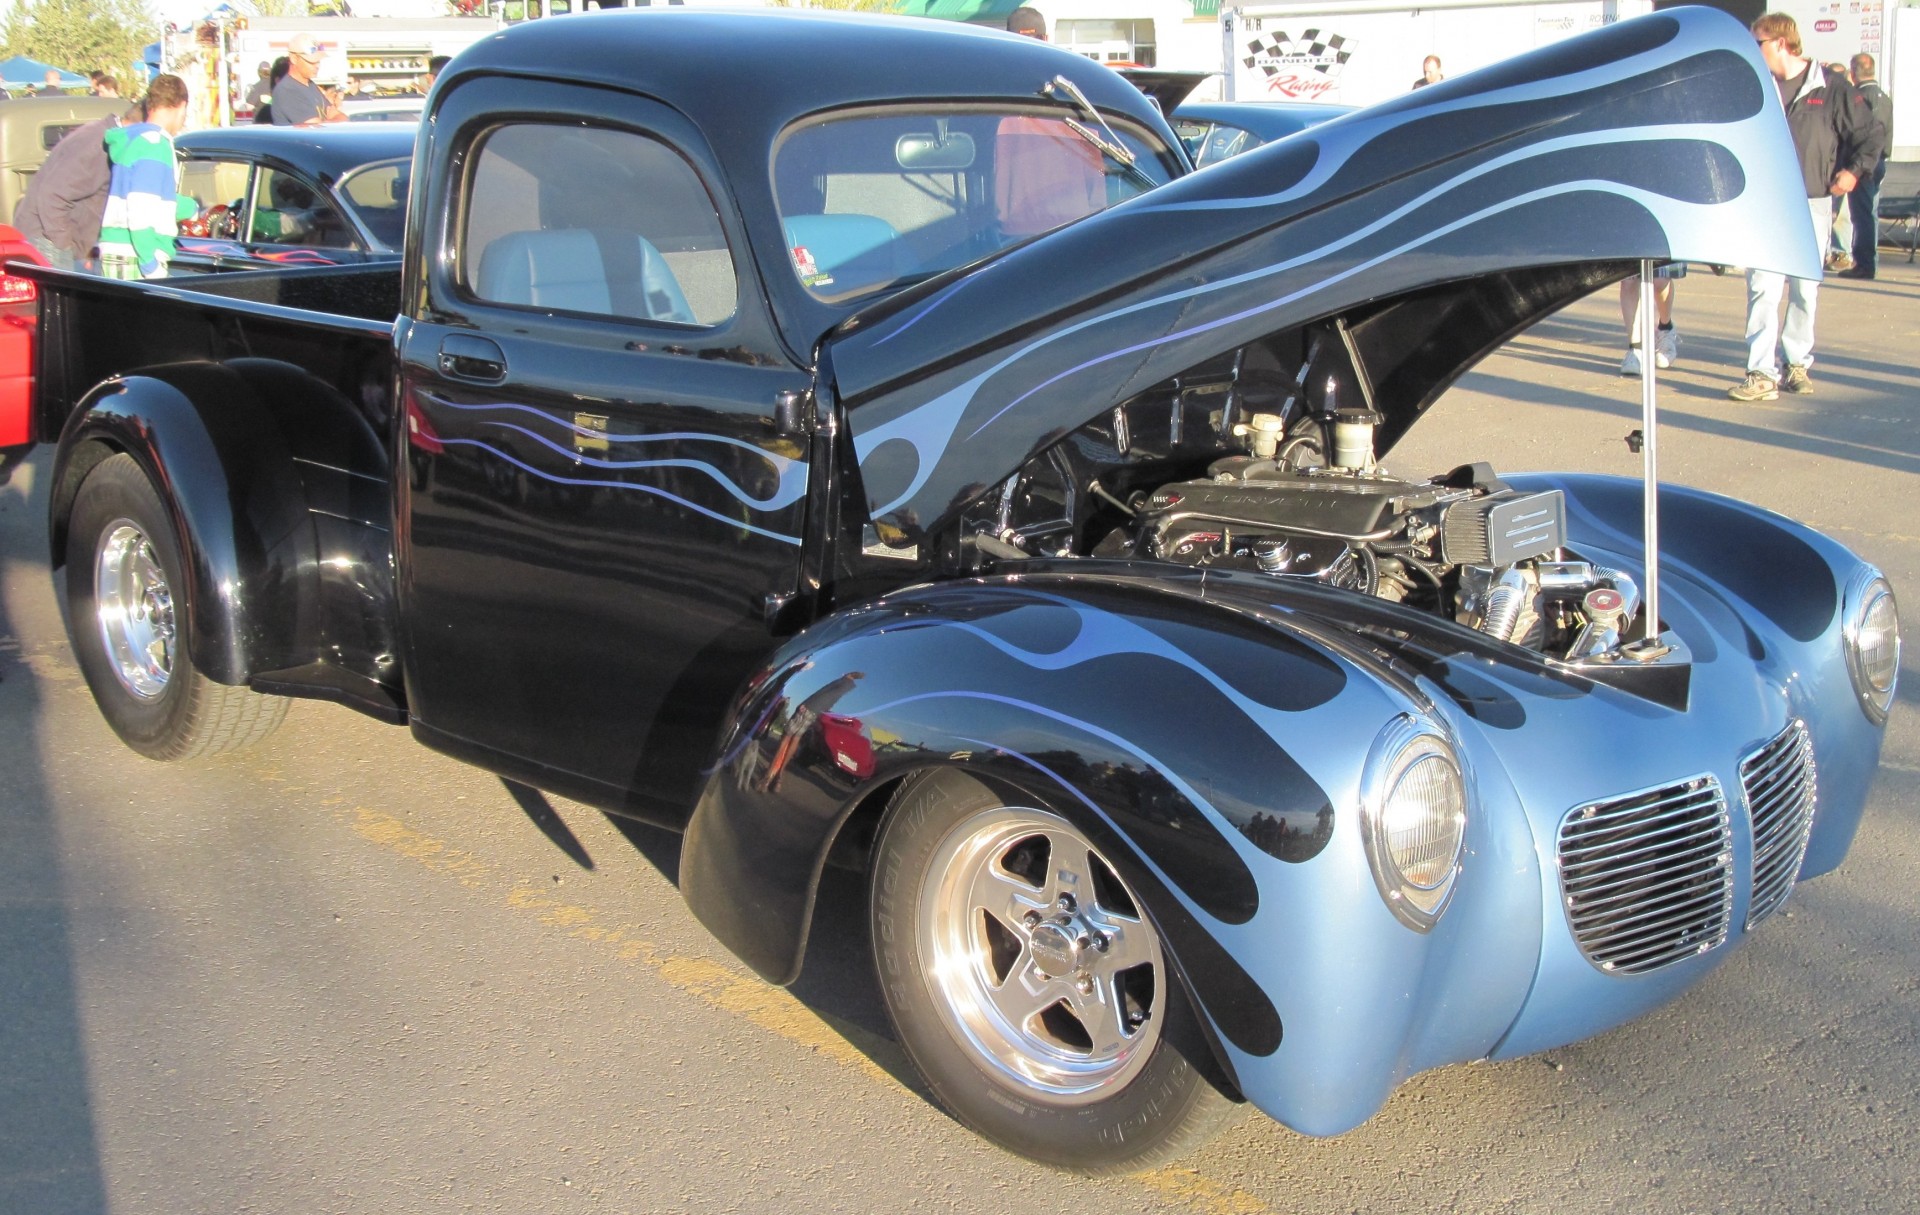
(127, 604)
(1029, 985)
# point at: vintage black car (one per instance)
(294, 196)
(898, 457)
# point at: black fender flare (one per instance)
(1059, 688)
(212, 437)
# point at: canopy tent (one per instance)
(22, 72)
(976, 12)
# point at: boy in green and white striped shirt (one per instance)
(142, 215)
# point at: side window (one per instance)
(218, 189)
(378, 195)
(289, 211)
(597, 221)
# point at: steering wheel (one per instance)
(217, 221)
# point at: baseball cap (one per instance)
(304, 46)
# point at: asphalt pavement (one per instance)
(341, 973)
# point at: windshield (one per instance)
(875, 200)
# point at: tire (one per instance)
(1030, 988)
(127, 610)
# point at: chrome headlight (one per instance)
(1872, 640)
(1413, 798)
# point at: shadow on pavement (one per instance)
(534, 804)
(49, 1155)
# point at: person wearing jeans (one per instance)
(1837, 141)
(1864, 202)
(1794, 340)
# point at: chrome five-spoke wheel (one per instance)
(131, 603)
(134, 607)
(1029, 982)
(1040, 960)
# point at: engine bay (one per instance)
(1263, 467)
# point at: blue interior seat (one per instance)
(852, 251)
(605, 273)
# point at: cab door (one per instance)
(599, 500)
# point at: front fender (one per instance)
(1212, 752)
(1785, 584)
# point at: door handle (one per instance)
(466, 356)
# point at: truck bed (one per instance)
(335, 323)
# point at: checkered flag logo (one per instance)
(1273, 53)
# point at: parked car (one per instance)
(1215, 130)
(294, 196)
(18, 310)
(898, 457)
(30, 126)
(384, 109)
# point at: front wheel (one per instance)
(1030, 987)
(128, 610)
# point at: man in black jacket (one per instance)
(60, 212)
(1838, 143)
(1864, 202)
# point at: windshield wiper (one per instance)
(1109, 144)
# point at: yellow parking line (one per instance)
(712, 983)
(727, 988)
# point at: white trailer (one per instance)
(1358, 52)
(390, 53)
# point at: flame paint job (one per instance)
(1655, 138)
(594, 543)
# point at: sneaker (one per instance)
(1758, 386)
(1666, 347)
(1631, 364)
(1797, 380)
(1856, 272)
(1837, 262)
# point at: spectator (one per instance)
(1430, 72)
(264, 112)
(1836, 141)
(1864, 202)
(1666, 339)
(1027, 22)
(142, 211)
(297, 100)
(106, 86)
(435, 66)
(1840, 244)
(52, 86)
(260, 92)
(60, 211)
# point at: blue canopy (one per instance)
(20, 71)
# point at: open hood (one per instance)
(1421, 232)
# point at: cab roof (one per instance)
(743, 76)
(328, 151)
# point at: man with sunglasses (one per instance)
(1838, 141)
(297, 100)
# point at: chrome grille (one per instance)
(1779, 784)
(1648, 878)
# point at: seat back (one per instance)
(582, 270)
(849, 251)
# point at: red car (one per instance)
(18, 304)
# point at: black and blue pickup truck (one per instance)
(898, 455)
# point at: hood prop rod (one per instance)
(1649, 647)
